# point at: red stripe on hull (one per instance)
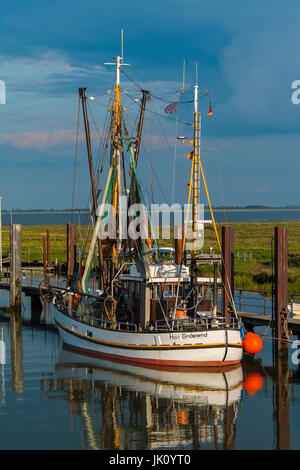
(152, 362)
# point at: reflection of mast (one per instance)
(110, 430)
(89, 426)
(229, 428)
(16, 344)
(2, 362)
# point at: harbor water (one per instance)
(52, 398)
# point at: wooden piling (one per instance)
(228, 270)
(44, 243)
(178, 241)
(15, 298)
(281, 285)
(48, 246)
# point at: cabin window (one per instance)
(89, 333)
(180, 290)
(168, 291)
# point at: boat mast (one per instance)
(116, 139)
(114, 175)
(83, 98)
(195, 188)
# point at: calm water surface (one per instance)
(51, 398)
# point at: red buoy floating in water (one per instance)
(252, 383)
(252, 343)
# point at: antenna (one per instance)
(183, 76)
(196, 72)
(118, 61)
(122, 44)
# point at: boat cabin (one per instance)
(162, 285)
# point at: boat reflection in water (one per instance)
(123, 406)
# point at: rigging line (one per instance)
(185, 233)
(170, 149)
(151, 158)
(175, 153)
(142, 196)
(75, 157)
(162, 115)
(170, 119)
(131, 79)
(153, 170)
(98, 157)
(101, 137)
(174, 165)
(146, 189)
(169, 101)
(155, 174)
(134, 124)
(166, 117)
(145, 81)
(219, 168)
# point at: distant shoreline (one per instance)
(85, 211)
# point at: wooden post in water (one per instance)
(48, 247)
(44, 242)
(281, 286)
(15, 297)
(228, 270)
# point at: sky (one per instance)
(247, 57)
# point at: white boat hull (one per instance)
(211, 347)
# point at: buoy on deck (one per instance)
(252, 343)
(180, 313)
(252, 383)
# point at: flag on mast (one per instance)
(209, 112)
(172, 108)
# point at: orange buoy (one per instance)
(252, 343)
(252, 383)
(180, 313)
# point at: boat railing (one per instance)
(98, 322)
(179, 324)
(202, 323)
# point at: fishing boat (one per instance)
(148, 310)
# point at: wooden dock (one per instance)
(27, 289)
(252, 320)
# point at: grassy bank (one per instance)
(252, 248)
